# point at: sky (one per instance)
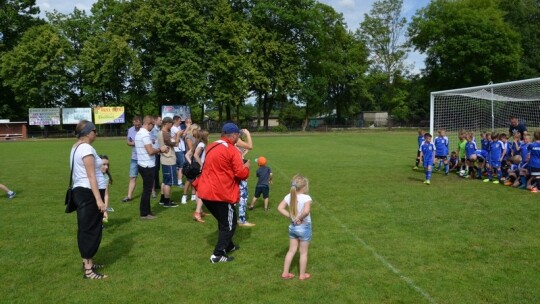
(353, 11)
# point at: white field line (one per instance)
(381, 259)
(367, 247)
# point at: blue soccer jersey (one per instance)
(534, 150)
(441, 145)
(428, 152)
(420, 141)
(524, 151)
(485, 144)
(481, 154)
(470, 149)
(495, 151)
(505, 146)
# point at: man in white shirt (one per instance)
(177, 133)
(146, 162)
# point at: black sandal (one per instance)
(91, 274)
(94, 266)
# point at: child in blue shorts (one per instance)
(264, 175)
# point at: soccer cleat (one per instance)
(126, 199)
(496, 181)
(193, 197)
(427, 182)
(180, 185)
(184, 200)
(235, 247)
(12, 195)
(148, 217)
(220, 259)
(415, 168)
(487, 180)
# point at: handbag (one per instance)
(69, 202)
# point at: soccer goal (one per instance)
(485, 108)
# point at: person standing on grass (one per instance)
(299, 215)
(517, 128)
(427, 155)
(218, 187)
(264, 180)
(10, 193)
(133, 163)
(420, 140)
(88, 197)
(154, 135)
(146, 162)
(244, 147)
(168, 163)
(534, 162)
(189, 139)
(199, 156)
(177, 137)
(107, 181)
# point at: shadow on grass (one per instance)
(416, 179)
(119, 247)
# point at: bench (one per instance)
(10, 136)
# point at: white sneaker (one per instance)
(193, 197)
(184, 200)
(180, 185)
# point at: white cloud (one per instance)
(63, 6)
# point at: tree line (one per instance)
(294, 58)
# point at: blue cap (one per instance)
(230, 128)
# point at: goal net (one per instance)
(485, 108)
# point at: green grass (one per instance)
(379, 234)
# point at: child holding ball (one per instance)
(299, 203)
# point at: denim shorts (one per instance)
(301, 232)
(179, 160)
(133, 170)
(169, 175)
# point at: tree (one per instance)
(16, 17)
(467, 43)
(383, 32)
(524, 17)
(37, 68)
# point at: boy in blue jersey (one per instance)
(524, 172)
(478, 158)
(505, 163)
(485, 142)
(420, 140)
(453, 162)
(496, 154)
(427, 155)
(441, 148)
(534, 161)
(470, 149)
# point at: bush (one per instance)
(280, 129)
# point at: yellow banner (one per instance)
(109, 115)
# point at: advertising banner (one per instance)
(72, 116)
(109, 115)
(43, 116)
(171, 110)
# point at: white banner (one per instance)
(72, 116)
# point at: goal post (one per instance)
(485, 108)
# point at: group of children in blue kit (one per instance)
(513, 163)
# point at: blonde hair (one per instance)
(191, 130)
(298, 182)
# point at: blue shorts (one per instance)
(133, 169)
(179, 160)
(169, 175)
(262, 189)
(428, 163)
(301, 232)
(495, 163)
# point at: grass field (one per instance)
(379, 234)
